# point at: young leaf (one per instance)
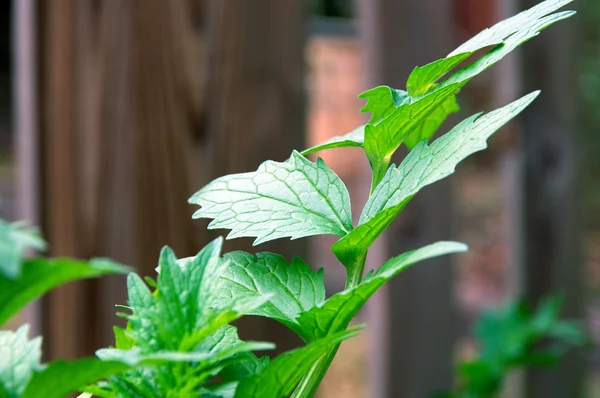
(292, 288)
(294, 199)
(381, 101)
(20, 358)
(279, 377)
(336, 313)
(424, 165)
(61, 378)
(384, 138)
(423, 78)
(15, 238)
(180, 328)
(41, 275)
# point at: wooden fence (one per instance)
(121, 103)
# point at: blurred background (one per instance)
(113, 112)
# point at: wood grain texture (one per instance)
(412, 321)
(145, 101)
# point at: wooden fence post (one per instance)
(256, 107)
(549, 233)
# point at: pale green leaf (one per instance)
(294, 199)
(505, 36)
(15, 239)
(354, 138)
(292, 288)
(524, 21)
(20, 358)
(61, 378)
(283, 373)
(41, 275)
(336, 313)
(424, 165)
(134, 357)
(222, 390)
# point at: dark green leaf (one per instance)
(61, 378)
(41, 275)
(282, 374)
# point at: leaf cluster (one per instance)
(299, 198)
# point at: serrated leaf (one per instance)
(182, 311)
(422, 82)
(40, 275)
(292, 287)
(424, 165)
(61, 378)
(504, 37)
(283, 373)
(381, 101)
(294, 199)
(15, 239)
(178, 334)
(336, 313)
(20, 358)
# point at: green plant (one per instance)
(514, 337)
(178, 341)
(299, 198)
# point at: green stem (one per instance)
(355, 272)
(310, 383)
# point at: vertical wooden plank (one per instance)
(119, 121)
(413, 318)
(25, 94)
(550, 249)
(256, 103)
